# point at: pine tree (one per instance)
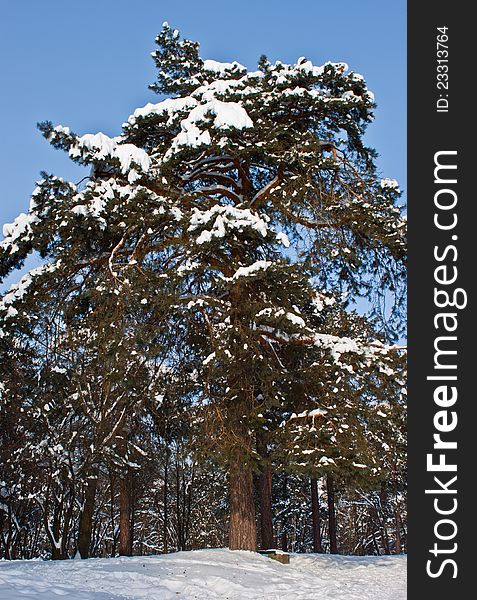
(209, 224)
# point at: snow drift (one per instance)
(207, 575)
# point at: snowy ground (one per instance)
(207, 575)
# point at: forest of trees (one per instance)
(188, 368)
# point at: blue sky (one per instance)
(86, 64)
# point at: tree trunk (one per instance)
(114, 536)
(179, 522)
(86, 519)
(397, 518)
(315, 515)
(56, 553)
(188, 491)
(284, 535)
(330, 492)
(266, 519)
(242, 526)
(132, 509)
(381, 518)
(124, 517)
(53, 530)
(67, 523)
(397, 513)
(265, 495)
(165, 502)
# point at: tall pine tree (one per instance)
(211, 222)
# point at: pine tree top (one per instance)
(232, 153)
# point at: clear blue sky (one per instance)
(86, 64)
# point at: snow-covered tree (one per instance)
(209, 224)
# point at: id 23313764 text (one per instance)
(442, 69)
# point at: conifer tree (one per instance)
(211, 222)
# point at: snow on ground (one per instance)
(207, 575)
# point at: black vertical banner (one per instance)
(442, 315)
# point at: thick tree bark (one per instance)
(330, 492)
(125, 541)
(86, 519)
(315, 515)
(242, 526)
